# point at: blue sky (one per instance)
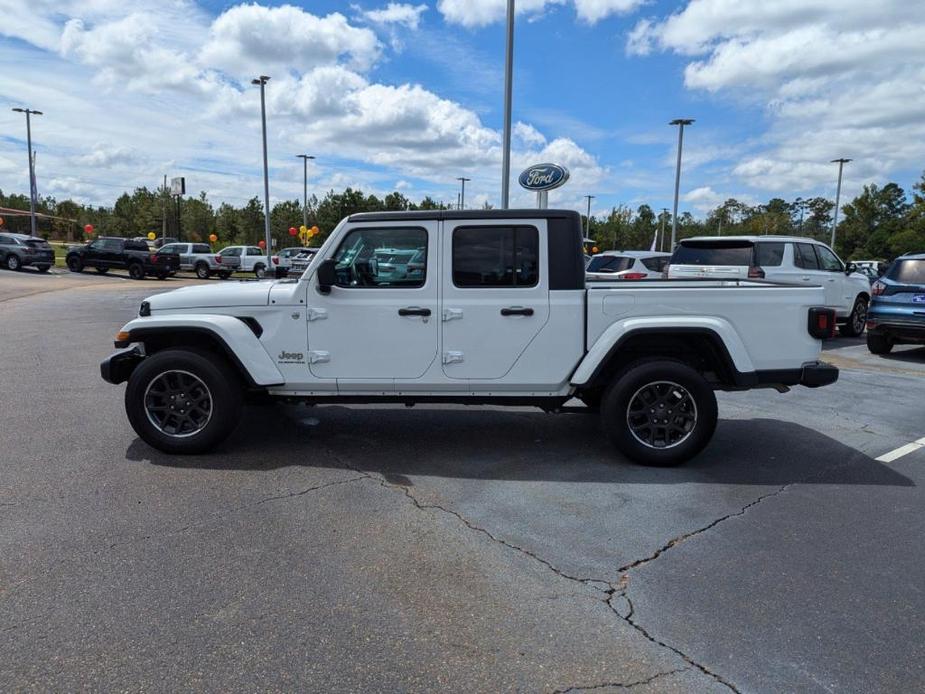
(409, 96)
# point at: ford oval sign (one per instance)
(543, 177)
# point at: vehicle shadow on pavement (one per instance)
(498, 444)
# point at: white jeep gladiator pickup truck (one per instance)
(471, 307)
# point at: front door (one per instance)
(836, 294)
(495, 295)
(379, 323)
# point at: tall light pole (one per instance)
(508, 87)
(589, 198)
(661, 237)
(841, 163)
(462, 193)
(29, 112)
(680, 122)
(262, 81)
(305, 158)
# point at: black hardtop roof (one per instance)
(462, 214)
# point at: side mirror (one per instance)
(850, 267)
(327, 275)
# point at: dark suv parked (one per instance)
(111, 252)
(19, 250)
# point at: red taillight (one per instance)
(218, 259)
(877, 288)
(821, 323)
(755, 273)
(154, 257)
(275, 259)
(633, 276)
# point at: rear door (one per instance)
(495, 294)
(718, 259)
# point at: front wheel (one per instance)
(136, 271)
(879, 344)
(224, 275)
(202, 271)
(659, 412)
(857, 320)
(43, 268)
(260, 271)
(183, 401)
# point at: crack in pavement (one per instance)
(311, 489)
(620, 685)
(609, 593)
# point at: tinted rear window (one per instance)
(907, 272)
(135, 245)
(37, 243)
(714, 253)
(610, 263)
(201, 248)
(769, 254)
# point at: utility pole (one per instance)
(661, 236)
(30, 112)
(508, 88)
(305, 158)
(164, 211)
(462, 193)
(841, 163)
(262, 82)
(680, 122)
(589, 198)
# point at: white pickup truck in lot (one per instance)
(493, 311)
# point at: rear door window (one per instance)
(655, 264)
(610, 263)
(735, 253)
(907, 272)
(496, 256)
(201, 248)
(769, 254)
(804, 256)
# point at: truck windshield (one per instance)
(714, 253)
(610, 263)
(908, 272)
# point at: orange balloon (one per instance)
(213, 238)
(262, 243)
(314, 230)
(595, 249)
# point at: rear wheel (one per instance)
(857, 320)
(136, 271)
(74, 263)
(260, 270)
(183, 401)
(659, 412)
(12, 262)
(224, 275)
(43, 268)
(102, 270)
(879, 344)
(202, 271)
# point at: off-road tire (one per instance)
(224, 390)
(689, 409)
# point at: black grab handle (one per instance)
(414, 311)
(516, 311)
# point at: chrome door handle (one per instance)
(516, 311)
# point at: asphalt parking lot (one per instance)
(448, 548)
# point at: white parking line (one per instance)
(897, 453)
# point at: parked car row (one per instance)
(137, 257)
(783, 259)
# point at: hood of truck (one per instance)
(224, 294)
